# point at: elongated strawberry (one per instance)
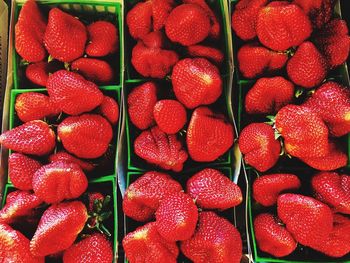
(64, 156)
(38, 73)
(34, 137)
(213, 54)
(96, 70)
(109, 109)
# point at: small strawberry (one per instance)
(64, 156)
(213, 54)
(159, 148)
(94, 198)
(109, 109)
(86, 136)
(38, 73)
(142, 197)
(213, 190)
(209, 135)
(272, 237)
(72, 93)
(141, 101)
(21, 169)
(176, 217)
(96, 70)
(34, 137)
(103, 39)
(215, 240)
(258, 145)
(196, 82)
(267, 188)
(65, 36)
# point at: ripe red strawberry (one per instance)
(21, 169)
(215, 240)
(245, 16)
(196, 82)
(72, 93)
(209, 135)
(272, 237)
(94, 248)
(328, 188)
(109, 109)
(304, 132)
(18, 204)
(96, 70)
(85, 136)
(267, 188)
(176, 217)
(142, 197)
(65, 36)
(260, 148)
(283, 25)
(254, 60)
(308, 220)
(58, 228)
(211, 189)
(147, 245)
(58, 181)
(141, 101)
(34, 137)
(14, 246)
(32, 106)
(94, 197)
(38, 73)
(213, 54)
(103, 39)
(170, 116)
(187, 24)
(64, 156)
(269, 95)
(29, 33)
(159, 148)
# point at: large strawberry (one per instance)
(64, 156)
(109, 109)
(29, 33)
(159, 148)
(34, 137)
(211, 53)
(215, 240)
(213, 190)
(38, 73)
(196, 82)
(86, 136)
(58, 228)
(260, 148)
(142, 197)
(72, 93)
(95, 70)
(65, 36)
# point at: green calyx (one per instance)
(98, 215)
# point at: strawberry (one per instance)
(94, 248)
(213, 54)
(58, 181)
(141, 101)
(94, 197)
(103, 39)
(213, 190)
(86, 136)
(159, 148)
(307, 68)
(95, 70)
(65, 36)
(14, 246)
(18, 204)
(147, 245)
(196, 82)
(280, 90)
(329, 188)
(209, 135)
(32, 106)
(38, 73)
(304, 132)
(72, 93)
(254, 60)
(109, 109)
(260, 148)
(142, 197)
(187, 24)
(272, 237)
(21, 169)
(308, 220)
(267, 188)
(176, 217)
(29, 33)
(281, 26)
(244, 18)
(215, 240)
(34, 137)
(169, 115)
(64, 156)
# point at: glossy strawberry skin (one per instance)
(95, 70)
(213, 54)
(38, 73)
(64, 156)
(139, 20)
(109, 109)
